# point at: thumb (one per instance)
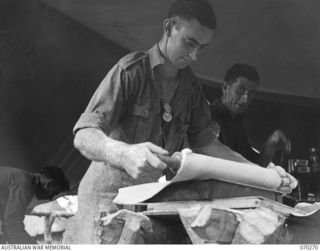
(156, 149)
(293, 181)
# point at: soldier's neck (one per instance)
(169, 72)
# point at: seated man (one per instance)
(238, 90)
(17, 187)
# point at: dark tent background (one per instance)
(53, 55)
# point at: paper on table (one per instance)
(200, 167)
(305, 209)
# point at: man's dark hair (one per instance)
(57, 176)
(242, 70)
(200, 10)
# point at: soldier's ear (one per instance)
(167, 26)
(224, 87)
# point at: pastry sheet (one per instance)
(201, 167)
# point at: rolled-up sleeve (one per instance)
(107, 104)
(202, 130)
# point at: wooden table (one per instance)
(171, 215)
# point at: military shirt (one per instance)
(127, 106)
(232, 132)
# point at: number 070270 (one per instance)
(309, 247)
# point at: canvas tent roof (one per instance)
(281, 38)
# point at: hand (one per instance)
(278, 141)
(139, 160)
(288, 182)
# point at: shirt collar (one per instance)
(155, 57)
(225, 110)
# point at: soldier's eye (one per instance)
(189, 43)
(240, 90)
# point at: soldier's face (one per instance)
(46, 192)
(186, 39)
(239, 95)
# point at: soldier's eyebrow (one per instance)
(195, 41)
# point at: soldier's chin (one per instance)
(182, 64)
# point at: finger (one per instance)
(293, 181)
(156, 149)
(150, 174)
(133, 173)
(285, 189)
(285, 182)
(282, 173)
(155, 162)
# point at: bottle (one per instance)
(311, 197)
(313, 159)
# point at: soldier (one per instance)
(149, 103)
(17, 188)
(238, 91)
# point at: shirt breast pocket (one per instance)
(183, 121)
(143, 118)
(181, 133)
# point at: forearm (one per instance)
(97, 146)
(219, 150)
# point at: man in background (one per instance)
(240, 85)
(17, 188)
